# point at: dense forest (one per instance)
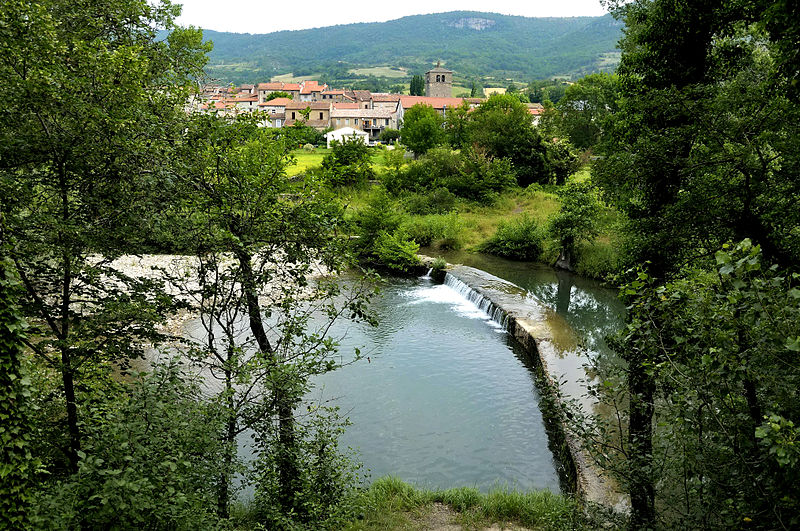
(500, 46)
(676, 178)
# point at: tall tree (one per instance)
(93, 101)
(421, 129)
(417, 86)
(504, 128)
(259, 238)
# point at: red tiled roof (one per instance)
(333, 91)
(277, 102)
(315, 105)
(278, 85)
(386, 97)
(345, 105)
(436, 103)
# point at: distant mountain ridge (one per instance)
(471, 43)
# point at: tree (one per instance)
(504, 128)
(277, 94)
(417, 86)
(258, 238)
(349, 162)
(703, 150)
(456, 125)
(77, 174)
(724, 428)
(422, 129)
(476, 90)
(582, 111)
(575, 221)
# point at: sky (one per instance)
(248, 16)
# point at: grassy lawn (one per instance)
(306, 159)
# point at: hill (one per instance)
(473, 44)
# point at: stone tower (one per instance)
(439, 82)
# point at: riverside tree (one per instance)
(422, 129)
(93, 100)
(703, 150)
(259, 240)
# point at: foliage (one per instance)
(327, 482)
(439, 264)
(580, 115)
(577, 219)
(438, 201)
(518, 239)
(720, 347)
(277, 94)
(149, 450)
(467, 174)
(502, 126)
(456, 125)
(349, 162)
(94, 160)
(417, 85)
(17, 464)
(380, 240)
(562, 159)
(422, 129)
(389, 135)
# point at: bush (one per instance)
(380, 241)
(441, 231)
(438, 201)
(396, 251)
(389, 135)
(466, 174)
(348, 163)
(520, 239)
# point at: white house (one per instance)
(347, 134)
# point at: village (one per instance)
(339, 112)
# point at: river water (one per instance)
(445, 399)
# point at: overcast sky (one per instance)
(248, 16)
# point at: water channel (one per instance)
(444, 396)
(447, 398)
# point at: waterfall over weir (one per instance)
(497, 314)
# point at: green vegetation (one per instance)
(517, 47)
(392, 504)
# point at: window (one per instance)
(292, 115)
(347, 121)
(320, 116)
(387, 121)
(355, 121)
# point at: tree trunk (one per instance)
(640, 439)
(223, 497)
(287, 473)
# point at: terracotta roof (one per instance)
(278, 85)
(215, 105)
(246, 97)
(436, 103)
(277, 102)
(314, 105)
(333, 91)
(536, 111)
(310, 87)
(359, 95)
(277, 116)
(386, 97)
(345, 105)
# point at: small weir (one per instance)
(495, 313)
(547, 337)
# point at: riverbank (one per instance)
(391, 504)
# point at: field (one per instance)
(381, 71)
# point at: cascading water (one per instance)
(496, 314)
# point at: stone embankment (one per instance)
(551, 341)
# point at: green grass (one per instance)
(380, 71)
(306, 159)
(391, 504)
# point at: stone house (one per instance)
(371, 121)
(319, 113)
